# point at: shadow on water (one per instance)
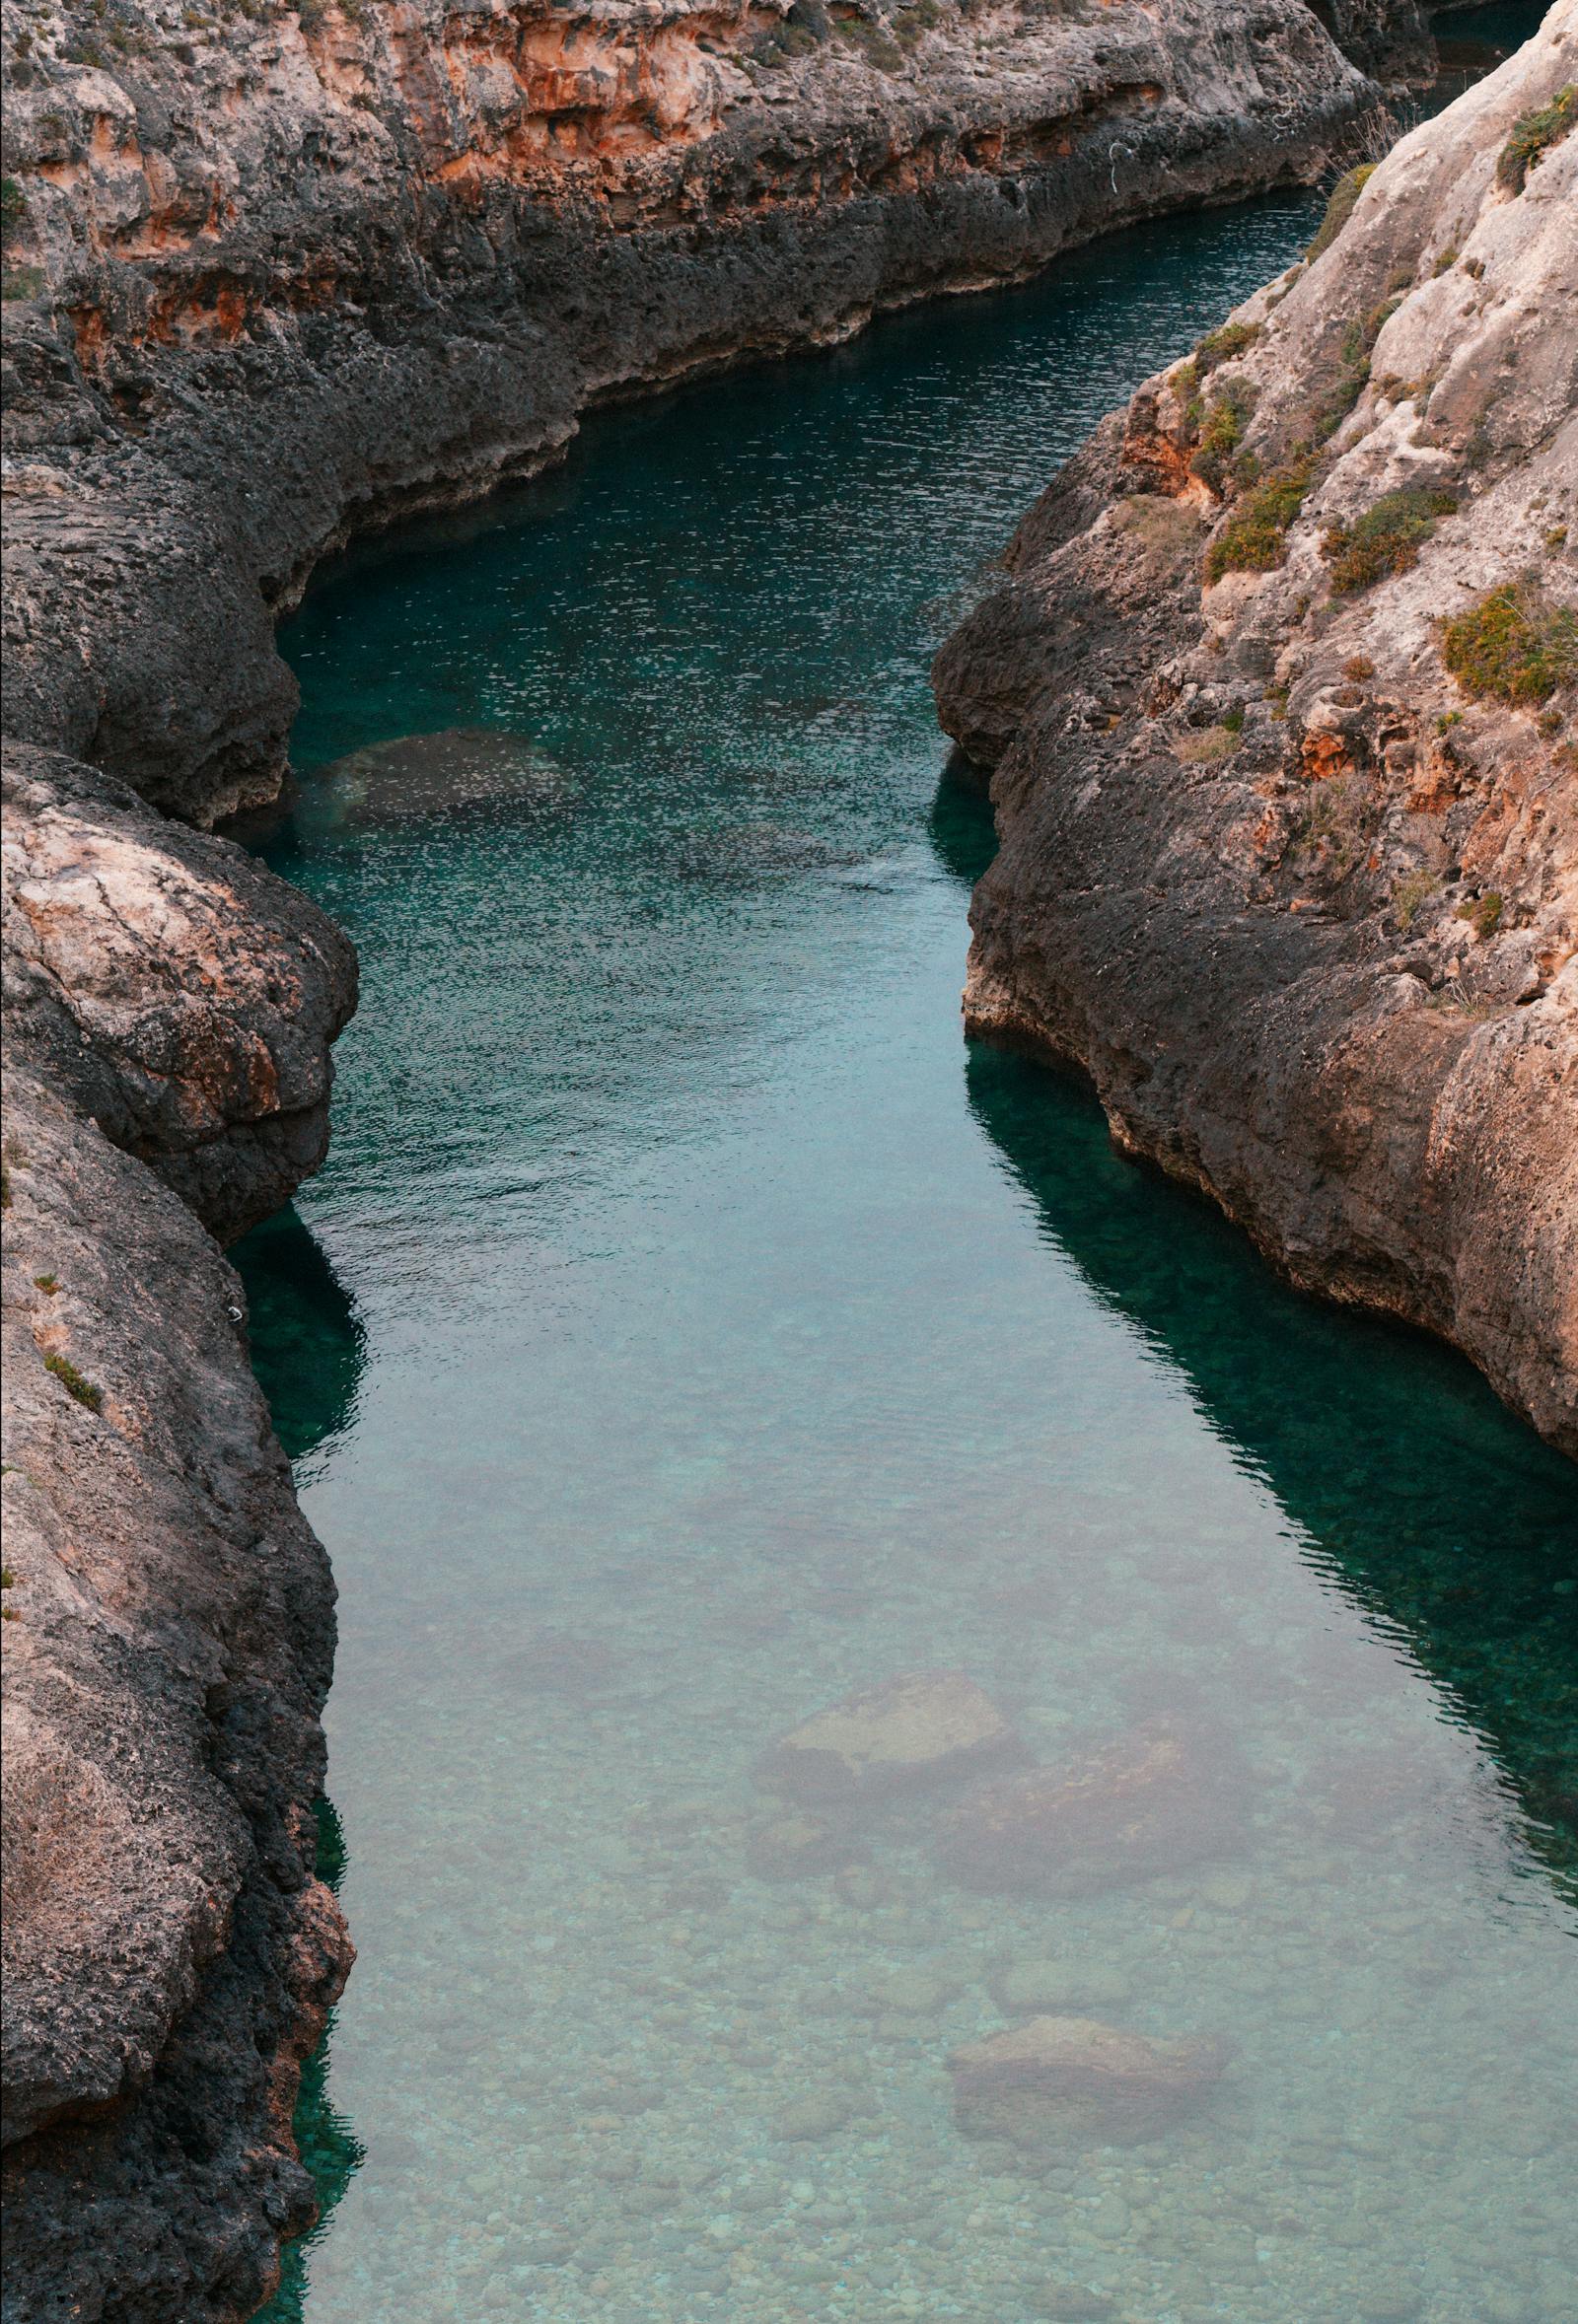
(308, 1345)
(329, 2150)
(1441, 1515)
(307, 1352)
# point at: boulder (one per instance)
(1150, 1802)
(1076, 2078)
(921, 1729)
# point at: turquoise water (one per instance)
(688, 1328)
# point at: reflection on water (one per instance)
(733, 1344)
(308, 1347)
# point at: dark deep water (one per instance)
(688, 1327)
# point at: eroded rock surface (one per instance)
(928, 1726)
(1281, 700)
(1075, 2081)
(183, 997)
(298, 275)
(169, 1954)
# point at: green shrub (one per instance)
(13, 204)
(21, 282)
(1220, 346)
(1222, 428)
(1339, 209)
(1410, 891)
(1387, 538)
(1254, 538)
(72, 1382)
(1353, 367)
(1484, 914)
(1533, 136)
(1512, 645)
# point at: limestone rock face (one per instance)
(925, 1727)
(1147, 1804)
(183, 997)
(1073, 2080)
(1289, 858)
(168, 1955)
(293, 278)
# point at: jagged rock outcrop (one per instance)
(272, 275)
(181, 997)
(1282, 704)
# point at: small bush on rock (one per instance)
(1339, 209)
(1222, 432)
(1220, 346)
(1484, 914)
(1533, 136)
(1512, 645)
(71, 1380)
(1254, 538)
(1387, 538)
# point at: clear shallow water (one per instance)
(688, 1328)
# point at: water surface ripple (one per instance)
(687, 1329)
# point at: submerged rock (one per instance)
(926, 1728)
(1075, 2078)
(1148, 1803)
(800, 1848)
(420, 777)
(559, 1662)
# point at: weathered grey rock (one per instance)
(1076, 2081)
(183, 997)
(1301, 904)
(168, 1955)
(927, 1727)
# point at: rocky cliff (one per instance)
(272, 275)
(294, 273)
(1279, 700)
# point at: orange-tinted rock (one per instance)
(1149, 1804)
(924, 1727)
(1076, 2078)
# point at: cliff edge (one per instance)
(1282, 706)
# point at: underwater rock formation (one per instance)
(928, 1726)
(1074, 2082)
(1149, 1802)
(1280, 701)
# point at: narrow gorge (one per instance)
(700, 1312)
